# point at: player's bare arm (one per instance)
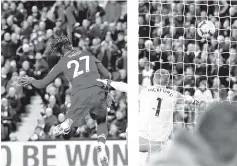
(102, 70)
(56, 70)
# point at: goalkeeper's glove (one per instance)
(195, 101)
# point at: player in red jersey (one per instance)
(88, 95)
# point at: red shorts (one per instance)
(87, 101)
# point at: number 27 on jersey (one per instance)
(78, 72)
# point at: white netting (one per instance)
(203, 68)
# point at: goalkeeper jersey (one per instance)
(157, 105)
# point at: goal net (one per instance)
(203, 68)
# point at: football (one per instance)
(206, 29)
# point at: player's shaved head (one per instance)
(161, 77)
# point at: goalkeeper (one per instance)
(151, 141)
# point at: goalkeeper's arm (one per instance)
(120, 86)
(186, 99)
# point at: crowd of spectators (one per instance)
(203, 68)
(28, 29)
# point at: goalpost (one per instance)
(203, 68)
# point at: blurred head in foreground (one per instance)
(214, 142)
(218, 127)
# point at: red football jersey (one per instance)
(81, 69)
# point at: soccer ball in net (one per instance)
(206, 29)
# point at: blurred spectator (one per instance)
(14, 101)
(13, 137)
(41, 66)
(38, 135)
(112, 11)
(7, 118)
(60, 91)
(147, 73)
(113, 131)
(50, 118)
(4, 78)
(61, 118)
(120, 122)
(233, 92)
(202, 93)
(52, 104)
(28, 30)
(88, 130)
